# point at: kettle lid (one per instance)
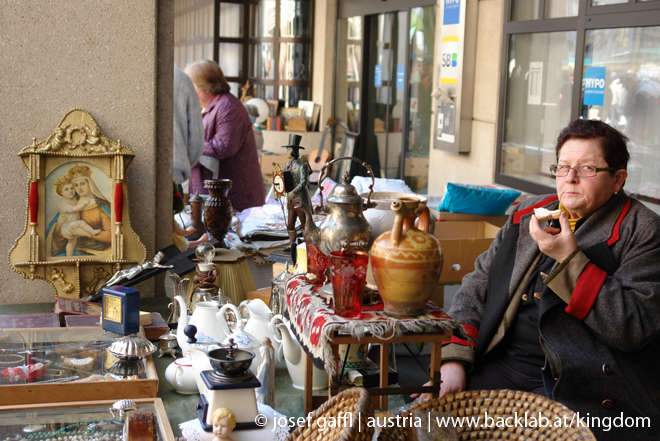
(344, 193)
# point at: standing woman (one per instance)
(230, 151)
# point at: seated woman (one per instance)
(569, 309)
(230, 150)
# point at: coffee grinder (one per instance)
(230, 385)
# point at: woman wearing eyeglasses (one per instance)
(570, 308)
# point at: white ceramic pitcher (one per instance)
(257, 324)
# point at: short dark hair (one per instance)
(613, 142)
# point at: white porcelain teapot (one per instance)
(180, 374)
(294, 357)
(211, 327)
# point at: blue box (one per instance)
(121, 310)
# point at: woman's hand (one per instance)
(452, 375)
(553, 242)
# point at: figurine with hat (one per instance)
(298, 168)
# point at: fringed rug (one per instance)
(314, 322)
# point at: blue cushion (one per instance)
(474, 199)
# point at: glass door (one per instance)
(384, 85)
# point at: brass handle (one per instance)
(368, 204)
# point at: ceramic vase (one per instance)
(406, 261)
(217, 208)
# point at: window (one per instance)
(558, 67)
(281, 49)
(267, 41)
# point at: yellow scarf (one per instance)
(570, 221)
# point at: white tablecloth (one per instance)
(192, 430)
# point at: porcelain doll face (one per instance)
(222, 428)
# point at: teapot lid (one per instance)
(344, 193)
(243, 340)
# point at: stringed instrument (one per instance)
(320, 157)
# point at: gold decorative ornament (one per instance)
(100, 275)
(57, 276)
(77, 219)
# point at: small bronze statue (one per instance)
(298, 195)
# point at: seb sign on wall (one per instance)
(450, 75)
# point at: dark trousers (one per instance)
(494, 374)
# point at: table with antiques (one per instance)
(320, 332)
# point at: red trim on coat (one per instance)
(518, 214)
(471, 332)
(586, 291)
(617, 225)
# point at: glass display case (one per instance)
(86, 421)
(65, 364)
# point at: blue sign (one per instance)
(378, 75)
(452, 12)
(594, 86)
(400, 74)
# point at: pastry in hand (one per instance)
(542, 214)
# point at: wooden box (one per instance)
(78, 415)
(61, 349)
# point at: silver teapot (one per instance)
(345, 226)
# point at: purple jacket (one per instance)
(228, 137)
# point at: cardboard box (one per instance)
(417, 167)
(513, 159)
(261, 293)
(533, 160)
(462, 243)
(443, 216)
(268, 163)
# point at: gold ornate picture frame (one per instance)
(77, 232)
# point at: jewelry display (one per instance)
(11, 360)
(101, 430)
(79, 363)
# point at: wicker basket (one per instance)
(355, 401)
(501, 403)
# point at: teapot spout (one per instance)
(312, 232)
(292, 348)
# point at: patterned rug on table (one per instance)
(314, 322)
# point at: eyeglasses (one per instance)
(581, 171)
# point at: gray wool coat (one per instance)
(599, 314)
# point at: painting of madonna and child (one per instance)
(78, 212)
